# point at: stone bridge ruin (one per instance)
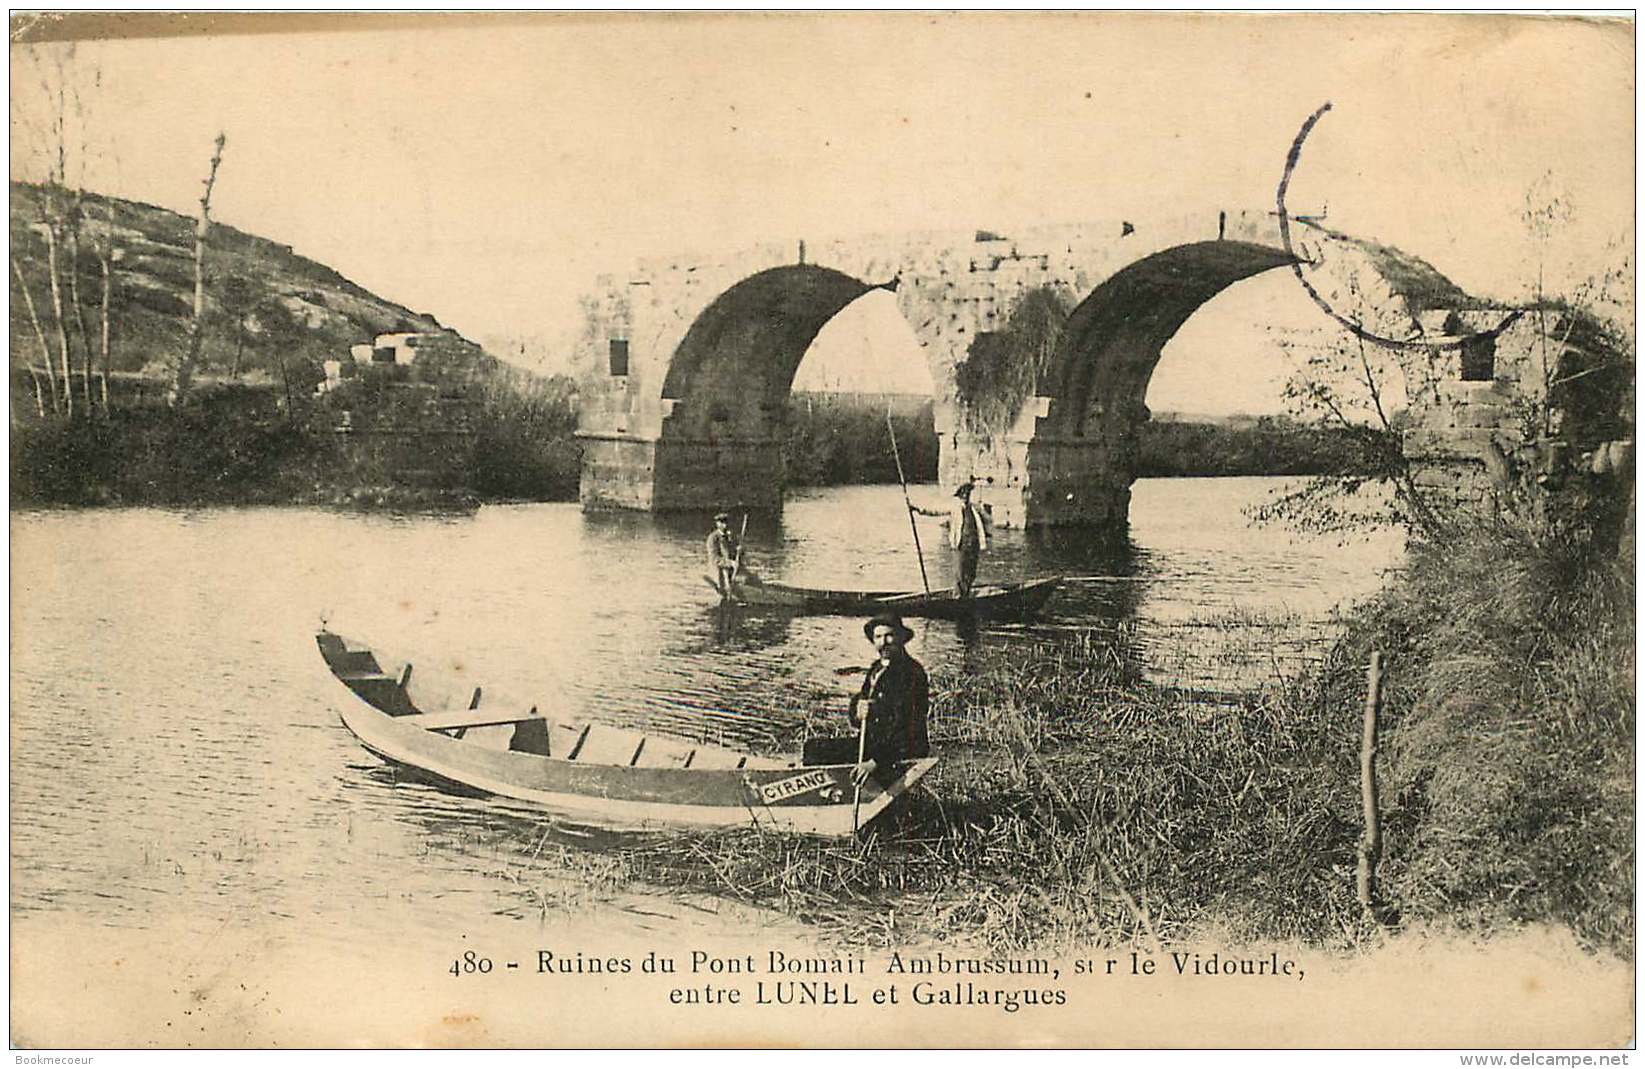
(1040, 344)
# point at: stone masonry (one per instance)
(693, 356)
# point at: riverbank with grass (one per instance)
(1073, 805)
(1076, 805)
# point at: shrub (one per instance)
(523, 446)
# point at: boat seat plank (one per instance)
(665, 753)
(564, 738)
(714, 757)
(609, 746)
(470, 718)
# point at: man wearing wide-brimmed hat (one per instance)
(967, 533)
(895, 700)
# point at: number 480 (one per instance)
(470, 962)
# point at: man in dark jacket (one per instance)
(895, 700)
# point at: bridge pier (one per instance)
(1039, 482)
(624, 471)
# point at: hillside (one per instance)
(263, 301)
(298, 398)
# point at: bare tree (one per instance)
(196, 333)
(1342, 385)
(40, 335)
(105, 257)
(1601, 299)
(49, 229)
(76, 204)
(60, 214)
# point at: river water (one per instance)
(176, 756)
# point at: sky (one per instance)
(485, 169)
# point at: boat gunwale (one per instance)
(994, 599)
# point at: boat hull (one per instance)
(1014, 602)
(768, 793)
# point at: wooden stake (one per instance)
(1370, 843)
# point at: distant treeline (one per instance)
(832, 443)
(260, 444)
(1271, 445)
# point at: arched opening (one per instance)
(729, 378)
(1114, 339)
(726, 396)
(866, 369)
(1069, 457)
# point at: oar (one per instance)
(1108, 578)
(912, 526)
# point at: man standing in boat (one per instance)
(724, 554)
(967, 534)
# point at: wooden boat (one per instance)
(1012, 601)
(592, 774)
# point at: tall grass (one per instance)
(1511, 705)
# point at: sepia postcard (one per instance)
(825, 529)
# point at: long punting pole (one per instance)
(901, 478)
(737, 557)
(862, 747)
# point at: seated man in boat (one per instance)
(889, 711)
(967, 533)
(724, 554)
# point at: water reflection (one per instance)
(740, 627)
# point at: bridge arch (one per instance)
(1069, 458)
(750, 340)
(724, 396)
(1113, 340)
(703, 354)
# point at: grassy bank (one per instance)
(508, 436)
(1509, 789)
(1077, 805)
(1073, 804)
(264, 444)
